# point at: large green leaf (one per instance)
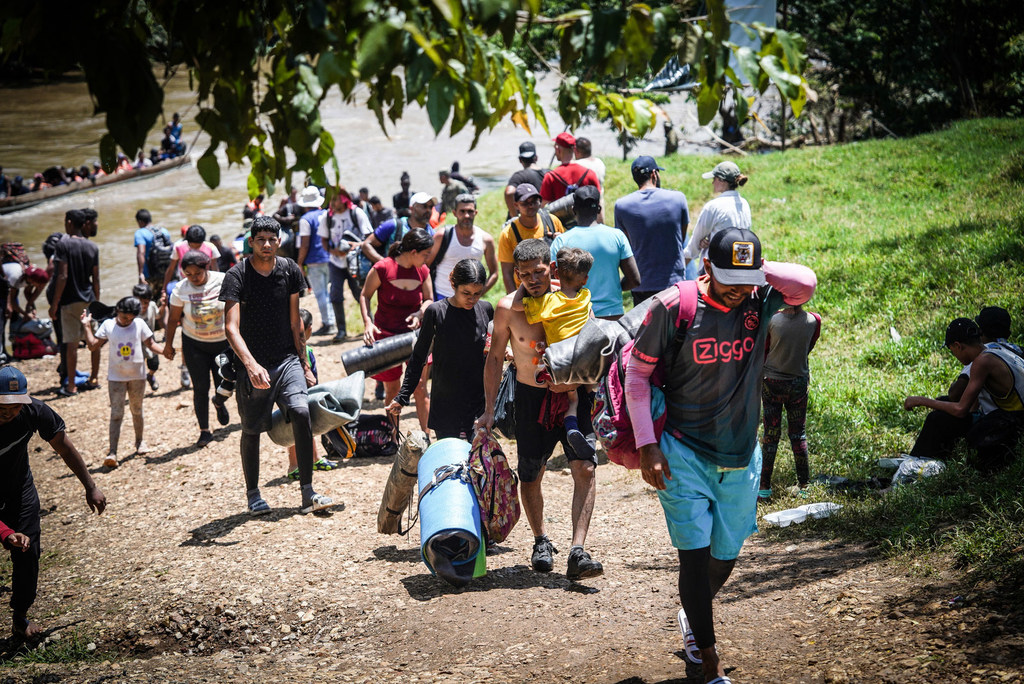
(788, 84)
(440, 96)
(376, 48)
(707, 102)
(747, 61)
(209, 169)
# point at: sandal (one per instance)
(322, 464)
(90, 385)
(317, 502)
(259, 507)
(689, 643)
(63, 391)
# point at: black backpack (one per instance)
(158, 258)
(374, 435)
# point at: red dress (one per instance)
(395, 304)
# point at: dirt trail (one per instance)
(175, 583)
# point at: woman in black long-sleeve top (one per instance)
(455, 331)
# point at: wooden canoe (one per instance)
(31, 199)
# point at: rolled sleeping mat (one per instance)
(584, 358)
(331, 405)
(450, 534)
(634, 318)
(384, 354)
(563, 207)
(398, 489)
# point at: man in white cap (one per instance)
(388, 233)
(706, 465)
(313, 258)
(21, 417)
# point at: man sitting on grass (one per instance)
(995, 384)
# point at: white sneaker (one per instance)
(186, 379)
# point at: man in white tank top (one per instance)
(458, 242)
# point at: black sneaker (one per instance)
(542, 560)
(582, 565)
(584, 450)
(222, 412)
(378, 392)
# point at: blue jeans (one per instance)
(319, 279)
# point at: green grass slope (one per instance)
(904, 233)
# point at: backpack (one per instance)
(14, 253)
(610, 417)
(158, 258)
(496, 486)
(28, 346)
(570, 188)
(338, 443)
(373, 435)
(545, 218)
(401, 228)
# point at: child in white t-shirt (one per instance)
(126, 373)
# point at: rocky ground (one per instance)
(175, 583)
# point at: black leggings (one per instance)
(201, 361)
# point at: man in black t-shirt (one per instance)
(264, 329)
(76, 262)
(530, 173)
(21, 416)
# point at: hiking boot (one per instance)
(542, 560)
(582, 565)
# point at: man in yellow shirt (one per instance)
(532, 222)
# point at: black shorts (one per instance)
(287, 390)
(534, 443)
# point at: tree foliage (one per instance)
(261, 69)
(917, 64)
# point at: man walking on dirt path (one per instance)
(534, 441)
(707, 464)
(21, 417)
(264, 329)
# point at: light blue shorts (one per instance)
(706, 507)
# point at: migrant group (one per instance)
(171, 146)
(721, 331)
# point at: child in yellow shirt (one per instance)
(563, 314)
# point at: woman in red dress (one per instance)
(404, 289)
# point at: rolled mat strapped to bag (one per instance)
(331, 405)
(399, 487)
(450, 533)
(585, 358)
(383, 355)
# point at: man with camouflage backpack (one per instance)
(153, 248)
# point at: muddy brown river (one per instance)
(45, 125)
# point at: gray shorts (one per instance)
(71, 322)
(287, 390)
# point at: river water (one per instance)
(44, 125)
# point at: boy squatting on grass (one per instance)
(21, 416)
(126, 372)
(563, 313)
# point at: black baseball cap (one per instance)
(586, 196)
(527, 151)
(962, 330)
(735, 256)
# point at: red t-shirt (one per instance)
(557, 180)
(395, 304)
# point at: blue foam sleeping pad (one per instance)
(450, 534)
(331, 405)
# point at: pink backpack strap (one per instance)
(687, 302)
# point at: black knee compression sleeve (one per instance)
(695, 594)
